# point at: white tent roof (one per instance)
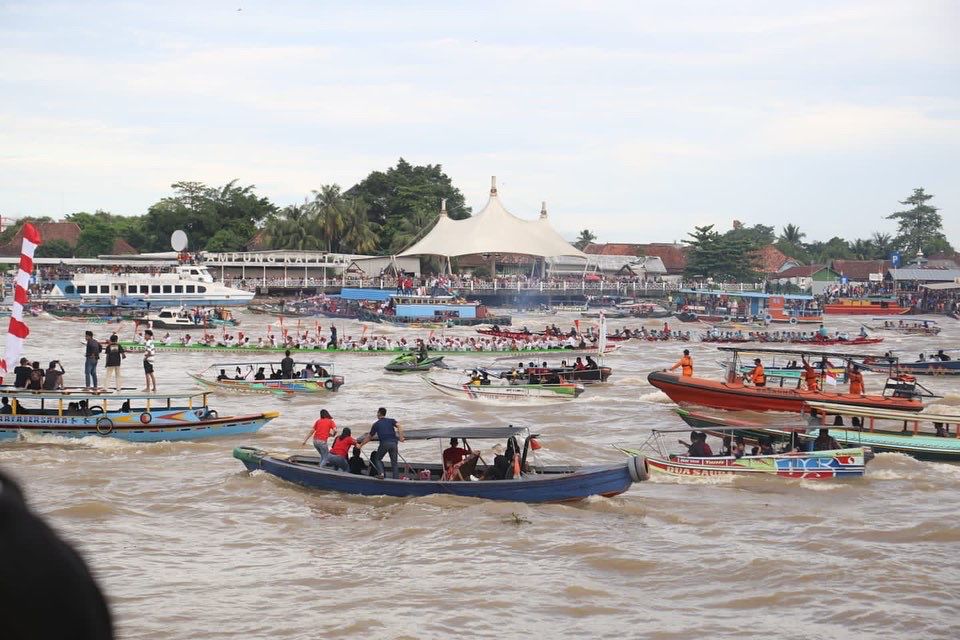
(493, 230)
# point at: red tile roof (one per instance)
(860, 270)
(123, 248)
(769, 260)
(614, 249)
(674, 256)
(69, 232)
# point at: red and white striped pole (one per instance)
(17, 331)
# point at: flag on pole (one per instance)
(17, 330)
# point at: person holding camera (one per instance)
(53, 378)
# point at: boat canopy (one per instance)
(80, 394)
(491, 433)
(882, 414)
(275, 363)
(810, 352)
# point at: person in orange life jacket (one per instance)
(757, 375)
(810, 375)
(856, 381)
(685, 364)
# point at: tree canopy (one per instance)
(726, 257)
(920, 228)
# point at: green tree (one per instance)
(721, 257)
(882, 245)
(399, 192)
(920, 228)
(230, 212)
(96, 238)
(792, 234)
(585, 238)
(55, 249)
(757, 236)
(295, 228)
(359, 235)
(412, 229)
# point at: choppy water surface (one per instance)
(188, 545)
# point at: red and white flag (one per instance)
(18, 331)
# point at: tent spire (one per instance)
(543, 210)
(443, 207)
(493, 185)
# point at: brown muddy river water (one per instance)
(186, 544)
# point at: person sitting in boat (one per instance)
(338, 450)
(421, 351)
(855, 378)
(260, 375)
(766, 447)
(698, 447)
(484, 378)
(685, 364)
(187, 340)
(223, 375)
(757, 375)
(824, 441)
(35, 382)
(823, 333)
(474, 379)
(5, 408)
(863, 331)
(922, 358)
(53, 378)
(22, 374)
(358, 466)
(591, 363)
(739, 447)
(578, 364)
(942, 356)
(238, 375)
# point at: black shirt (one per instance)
(286, 366)
(114, 353)
(93, 350)
(23, 374)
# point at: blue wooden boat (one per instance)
(534, 483)
(135, 417)
(932, 367)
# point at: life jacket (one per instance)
(758, 376)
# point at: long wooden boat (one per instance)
(735, 395)
(553, 375)
(811, 465)
(874, 306)
(523, 482)
(135, 417)
(195, 347)
(509, 393)
(526, 335)
(919, 440)
(327, 380)
(910, 327)
(922, 368)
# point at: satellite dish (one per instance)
(178, 240)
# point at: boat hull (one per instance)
(816, 465)
(509, 393)
(736, 396)
(865, 310)
(164, 426)
(576, 484)
(134, 347)
(307, 385)
(921, 447)
(928, 368)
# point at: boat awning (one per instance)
(942, 286)
(491, 433)
(810, 352)
(885, 414)
(374, 295)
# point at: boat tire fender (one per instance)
(768, 318)
(145, 417)
(793, 321)
(212, 414)
(104, 426)
(328, 385)
(637, 466)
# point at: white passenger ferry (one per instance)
(183, 285)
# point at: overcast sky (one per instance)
(637, 120)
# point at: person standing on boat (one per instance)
(91, 357)
(855, 377)
(115, 353)
(149, 350)
(685, 364)
(286, 366)
(333, 338)
(322, 430)
(810, 375)
(389, 433)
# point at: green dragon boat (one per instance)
(135, 347)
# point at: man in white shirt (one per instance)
(148, 353)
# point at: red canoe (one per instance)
(737, 396)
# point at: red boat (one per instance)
(835, 341)
(526, 335)
(866, 306)
(735, 395)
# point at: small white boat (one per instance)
(508, 393)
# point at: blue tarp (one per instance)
(379, 295)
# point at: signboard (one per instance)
(875, 277)
(895, 259)
(844, 280)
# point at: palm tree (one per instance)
(862, 249)
(792, 235)
(294, 228)
(328, 206)
(359, 235)
(882, 245)
(585, 238)
(412, 228)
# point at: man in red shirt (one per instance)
(453, 456)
